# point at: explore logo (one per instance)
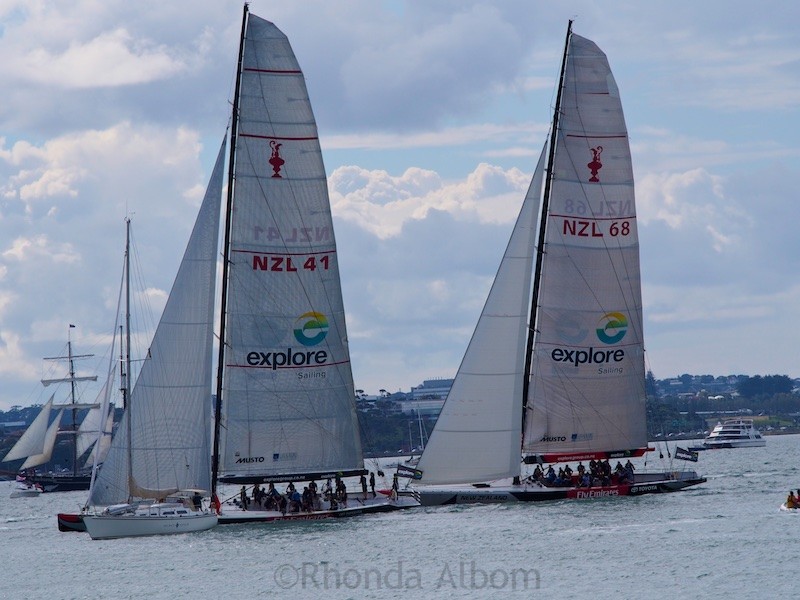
(311, 328)
(612, 327)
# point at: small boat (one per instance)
(734, 433)
(158, 466)
(70, 522)
(286, 409)
(556, 360)
(26, 489)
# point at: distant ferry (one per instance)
(734, 433)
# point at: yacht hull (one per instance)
(105, 527)
(70, 522)
(648, 483)
(62, 483)
(236, 516)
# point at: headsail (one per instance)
(49, 443)
(32, 442)
(287, 399)
(587, 393)
(169, 411)
(477, 435)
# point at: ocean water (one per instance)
(724, 539)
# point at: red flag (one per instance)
(215, 502)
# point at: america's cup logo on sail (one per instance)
(275, 158)
(595, 165)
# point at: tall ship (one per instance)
(87, 430)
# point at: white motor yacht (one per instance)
(734, 433)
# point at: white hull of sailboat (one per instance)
(234, 515)
(504, 491)
(105, 527)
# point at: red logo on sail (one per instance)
(275, 158)
(595, 165)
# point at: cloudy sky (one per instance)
(431, 115)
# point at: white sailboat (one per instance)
(285, 397)
(567, 385)
(158, 466)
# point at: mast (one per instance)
(537, 273)
(72, 401)
(72, 380)
(127, 385)
(226, 255)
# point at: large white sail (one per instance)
(287, 400)
(49, 443)
(477, 436)
(587, 387)
(169, 410)
(32, 442)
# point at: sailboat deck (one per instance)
(232, 514)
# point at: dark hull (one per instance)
(237, 517)
(533, 493)
(61, 483)
(70, 522)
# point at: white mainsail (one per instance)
(587, 384)
(477, 435)
(169, 447)
(287, 399)
(32, 442)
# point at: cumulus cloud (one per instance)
(382, 204)
(109, 59)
